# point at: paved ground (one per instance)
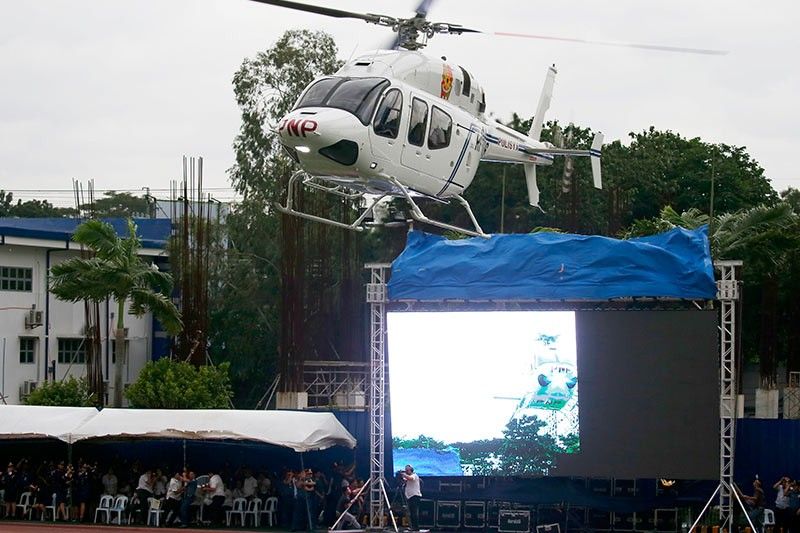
(50, 527)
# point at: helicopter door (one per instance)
(427, 148)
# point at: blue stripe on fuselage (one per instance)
(458, 162)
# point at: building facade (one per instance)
(42, 337)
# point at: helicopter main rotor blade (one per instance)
(331, 12)
(677, 49)
(423, 8)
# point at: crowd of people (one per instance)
(306, 498)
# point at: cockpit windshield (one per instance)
(355, 95)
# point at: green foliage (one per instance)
(70, 392)
(283, 281)
(524, 450)
(419, 442)
(168, 384)
(115, 271)
(119, 204)
(654, 169)
(767, 239)
(31, 208)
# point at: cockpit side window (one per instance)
(387, 119)
(441, 129)
(358, 96)
(419, 119)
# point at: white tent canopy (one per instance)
(298, 430)
(28, 422)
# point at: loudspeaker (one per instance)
(645, 520)
(427, 513)
(512, 521)
(598, 520)
(576, 519)
(448, 514)
(624, 487)
(666, 520)
(450, 487)
(475, 515)
(624, 521)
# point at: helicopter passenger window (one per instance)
(467, 87)
(358, 96)
(441, 129)
(419, 118)
(387, 119)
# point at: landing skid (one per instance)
(300, 179)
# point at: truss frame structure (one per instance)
(728, 294)
(728, 285)
(377, 299)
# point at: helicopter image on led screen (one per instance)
(397, 123)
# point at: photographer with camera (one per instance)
(413, 494)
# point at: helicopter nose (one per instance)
(331, 133)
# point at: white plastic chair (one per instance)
(52, 508)
(106, 501)
(254, 509)
(270, 508)
(239, 505)
(769, 517)
(154, 510)
(25, 504)
(120, 504)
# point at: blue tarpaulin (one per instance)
(554, 266)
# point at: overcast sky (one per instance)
(119, 90)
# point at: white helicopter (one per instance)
(395, 123)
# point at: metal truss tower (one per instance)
(728, 296)
(376, 298)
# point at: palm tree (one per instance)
(116, 271)
(766, 238)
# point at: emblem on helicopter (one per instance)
(447, 82)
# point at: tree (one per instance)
(31, 208)
(767, 239)
(525, 451)
(119, 204)
(70, 392)
(169, 384)
(116, 271)
(299, 277)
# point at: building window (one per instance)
(16, 279)
(71, 351)
(27, 350)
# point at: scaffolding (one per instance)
(728, 296)
(376, 299)
(338, 385)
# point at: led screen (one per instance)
(483, 393)
(496, 393)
